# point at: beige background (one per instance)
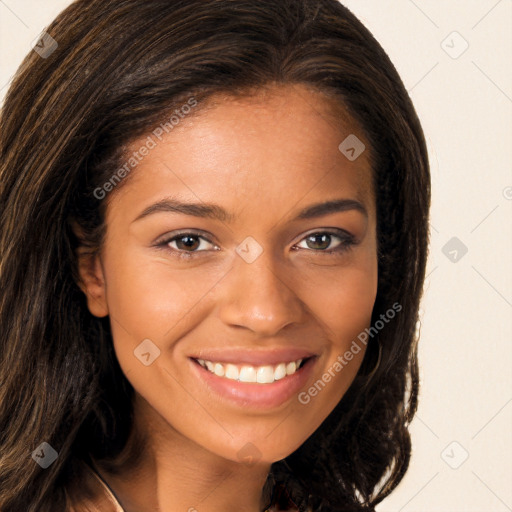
(465, 104)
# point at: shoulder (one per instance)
(94, 496)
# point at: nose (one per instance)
(259, 298)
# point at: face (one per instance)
(238, 268)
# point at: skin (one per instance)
(263, 158)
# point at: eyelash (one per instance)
(347, 241)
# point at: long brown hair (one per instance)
(119, 69)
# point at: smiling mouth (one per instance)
(266, 374)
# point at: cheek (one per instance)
(351, 304)
(158, 302)
(345, 308)
(343, 298)
(154, 299)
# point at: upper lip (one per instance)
(254, 357)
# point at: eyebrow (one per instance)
(216, 212)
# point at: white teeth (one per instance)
(247, 374)
(218, 369)
(280, 371)
(244, 373)
(231, 372)
(290, 368)
(265, 375)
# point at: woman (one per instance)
(214, 228)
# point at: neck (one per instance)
(174, 474)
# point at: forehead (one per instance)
(278, 145)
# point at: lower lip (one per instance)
(260, 396)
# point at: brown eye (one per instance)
(186, 244)
(319, 241)
(327, 242)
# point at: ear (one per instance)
(91, 278)
(92, 282)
